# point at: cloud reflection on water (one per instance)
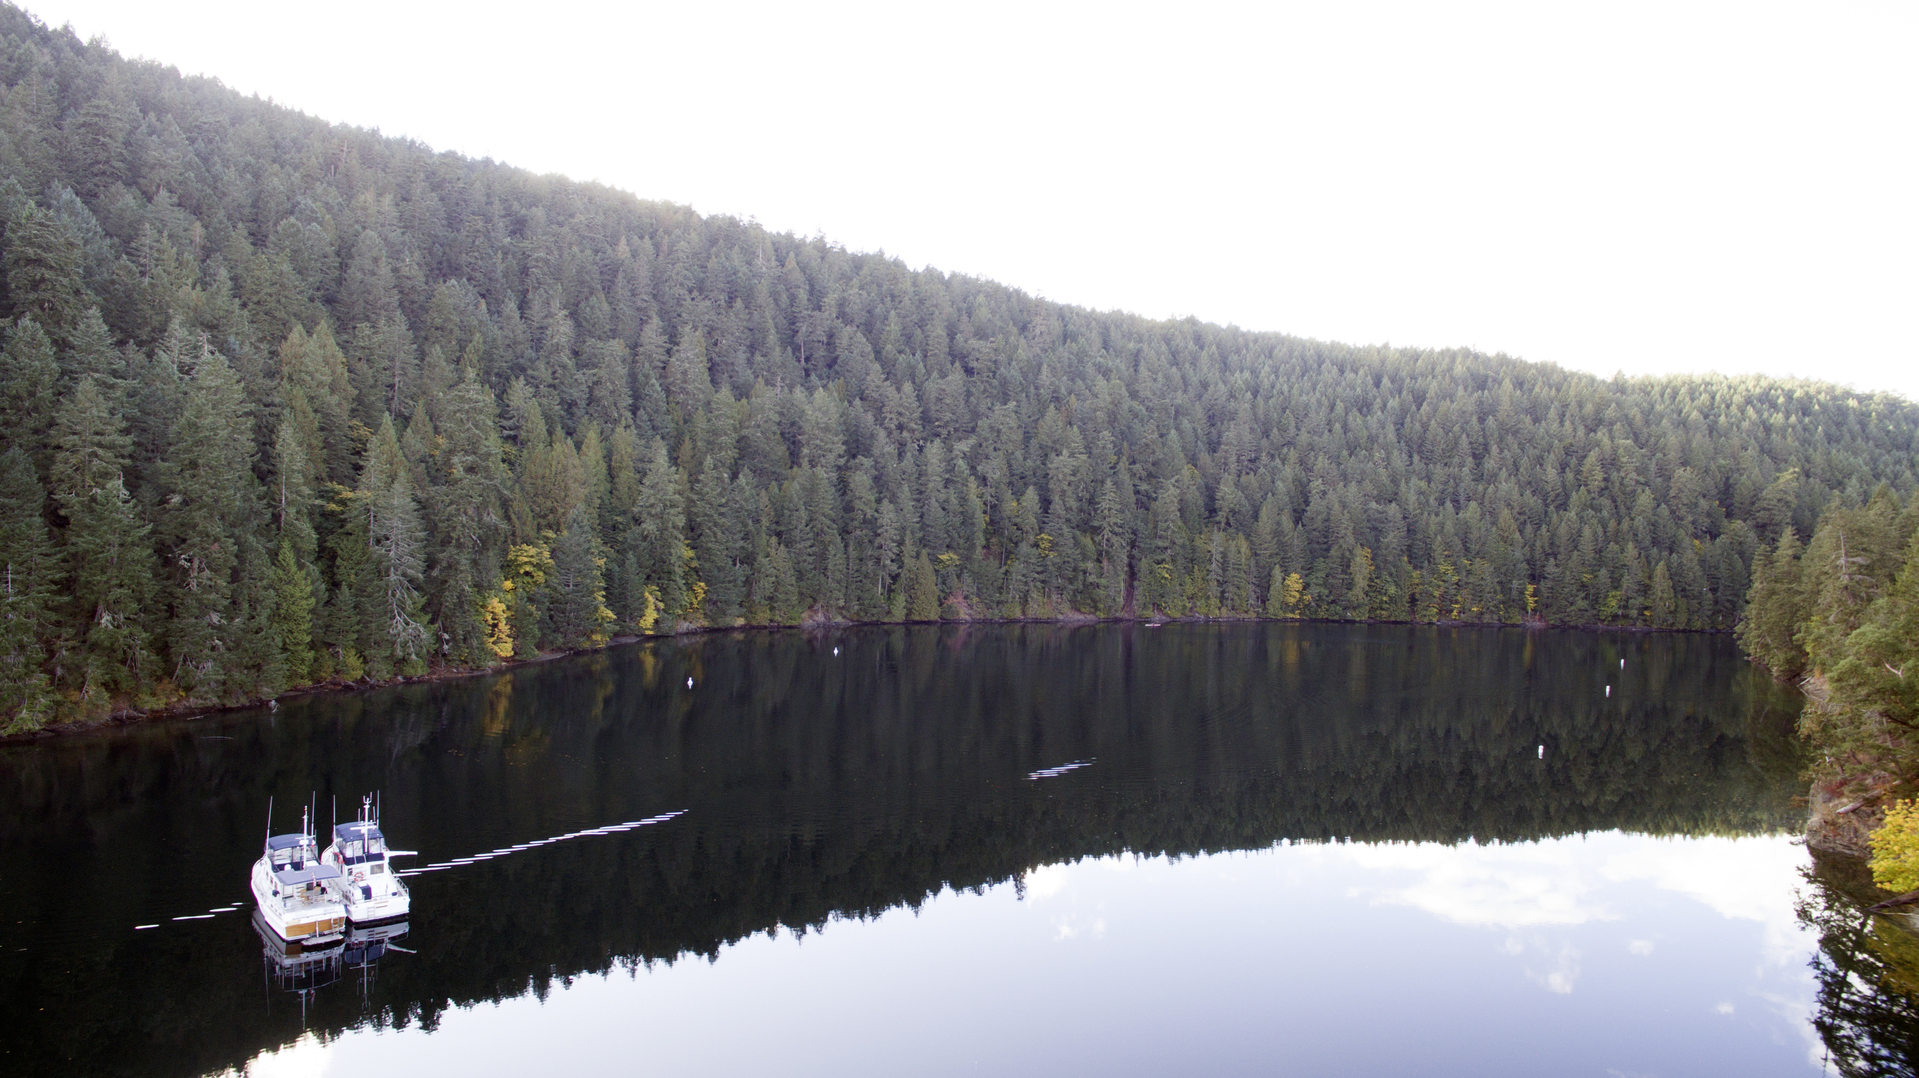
(1618, 950)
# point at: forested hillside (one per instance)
(1844, 608)
(283, 402)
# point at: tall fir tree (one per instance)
(29, 579)
(210, 510)
(398, 639)
(109, 550)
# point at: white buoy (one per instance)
(1608, 689)
(1542, 752)
(689, 683)
(836, 651)
(1622, 664)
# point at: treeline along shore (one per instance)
(285, 403)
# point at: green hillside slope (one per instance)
(282, 402)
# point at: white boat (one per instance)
(367, 884)
(295, 890)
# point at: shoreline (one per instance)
(141, 716)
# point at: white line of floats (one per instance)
(1054, 772)
(442, 866)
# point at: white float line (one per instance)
(207, 916)
(505, 851)
(1055, 772)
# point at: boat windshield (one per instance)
(359, 842)
(289, 851)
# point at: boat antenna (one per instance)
(264, 845)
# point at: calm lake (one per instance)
(1192, 849)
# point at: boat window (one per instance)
(377, 868)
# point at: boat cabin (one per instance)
(290, 852)
(295, 864)
(360, 843)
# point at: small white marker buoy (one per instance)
(689, 683)
(836, 651)
(1608, 689)
(1622, 664)
(1542, 752)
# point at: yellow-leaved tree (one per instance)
(1895, 849)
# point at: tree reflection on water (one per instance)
(824, 777)
(1867, 968)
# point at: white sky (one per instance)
(1647, 187)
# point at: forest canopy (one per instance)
(283, 401)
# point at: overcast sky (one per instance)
(1646, 187)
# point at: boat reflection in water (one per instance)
(365, 947)
(303, 968)
(298, 966)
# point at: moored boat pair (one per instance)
(310, 895)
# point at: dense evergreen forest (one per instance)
(283, 402)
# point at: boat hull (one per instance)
(304, 921)
(378, 910)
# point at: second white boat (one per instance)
(367, 884)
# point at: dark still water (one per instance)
(1300, 849)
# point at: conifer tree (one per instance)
(209, 511)
(29, 375)
(108, 547)
(469, 520)
(1878, 676)
(922, 590)
(1776, 609)
(397, 634)
(577, 615)
(90, 351)
(28, 578)
(661, 515)
(688, 381)
(618, 525)
(43, 268)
